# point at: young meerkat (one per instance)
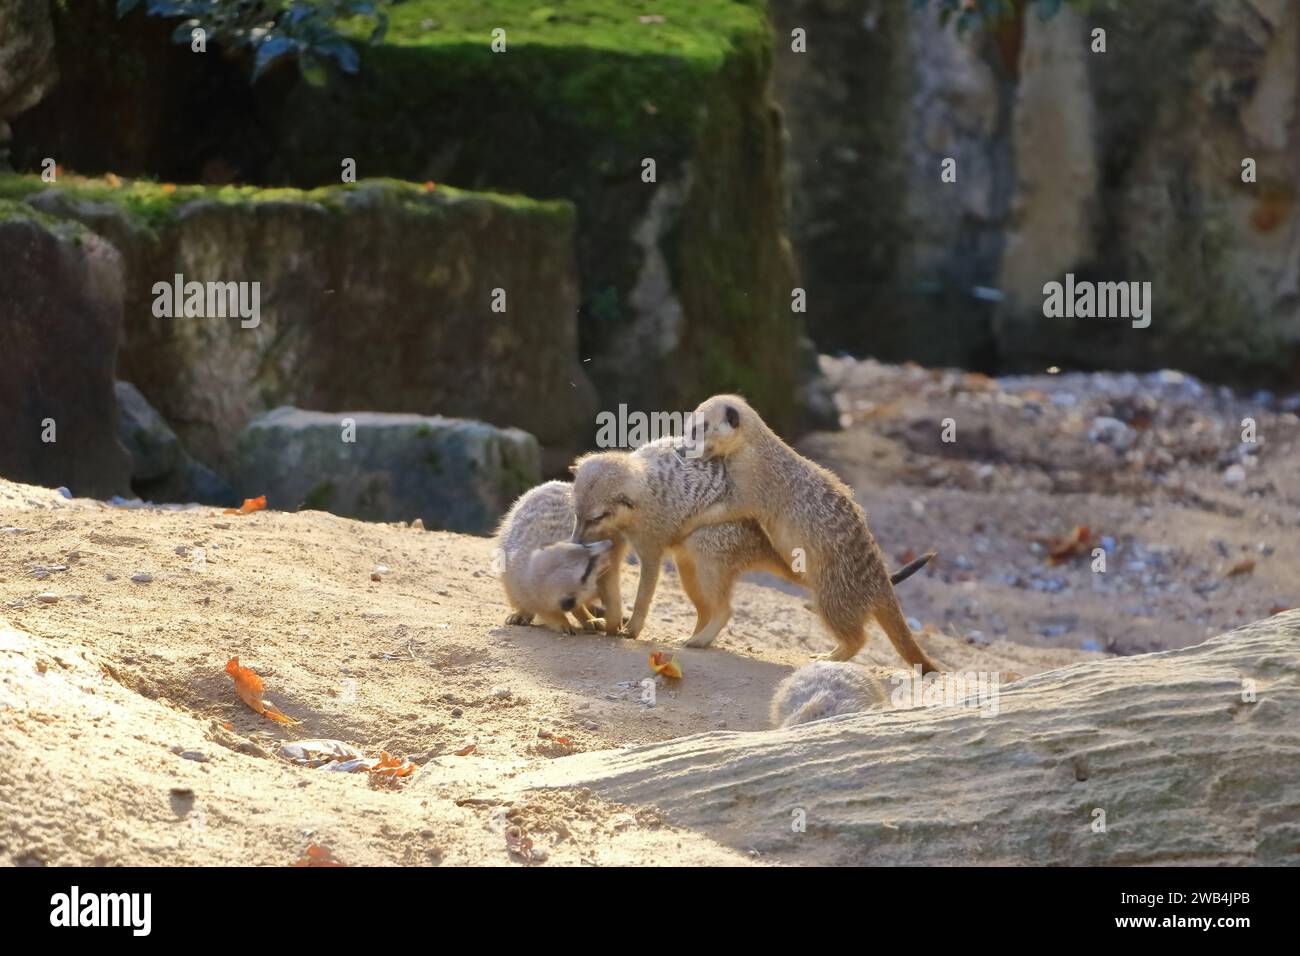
(645, 498)
(543, 572)
(825, 689)
(802, 505)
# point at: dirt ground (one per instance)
(122, 740)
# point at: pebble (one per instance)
(417, 524)
(48, 598)
(1234, 475)
(142, 578)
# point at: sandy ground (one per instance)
(123, 742)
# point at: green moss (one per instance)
(154, 204)
(12, 209)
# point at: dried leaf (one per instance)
(249, 506)
(1244, 566)
(1078, 542)
(249, 688)
(319, 856)
(666, 664)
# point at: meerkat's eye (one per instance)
(625, 501)
(568, 604)
(600, 517)
(733, 417)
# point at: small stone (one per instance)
(417, 524)
(1234, 475)
(142, 578)
(48, 598)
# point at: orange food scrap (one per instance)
(113, 180)
(249, 506)
(319, 856)
(249, 688)
(666, 664)
(390, 766)
(1078, 542)
(168, 188)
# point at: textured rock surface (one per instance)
(890, 255)
(1185, 770)
(376, 296)
(690, 272)
(451, 473)
(60, 325)
(27, 67)
(1129, 173)
(161, 469)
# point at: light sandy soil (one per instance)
(122, 740)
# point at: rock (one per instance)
(692, 268)
(48, 598)
(1127, 175)
(419, 333)
(27, 67)
(453, 474)
(142, 577)
(155, 449)
(1191, 754)
(60, 326)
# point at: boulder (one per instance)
(685, 280)
(60, 327)
(452, 473)
(155, 449)
(380, 295)
(1190, 756)
(1125, 173)
(27, 67)
(161, 469)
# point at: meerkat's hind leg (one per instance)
(520, 619)
(714, 582)
(589, 620)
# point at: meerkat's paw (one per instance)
(698, 640)
(520, 619)
(594, 624)
(841, 653)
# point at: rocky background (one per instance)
(797, 146)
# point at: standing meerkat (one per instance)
(543, 572)
(645, 498)
(804, 508)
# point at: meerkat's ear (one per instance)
(733, 416)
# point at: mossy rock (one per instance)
(381, 472)
(375, 295)
(685, 282)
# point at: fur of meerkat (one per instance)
(545, 574)
(802, 505)
(825, 689)
(644, 498)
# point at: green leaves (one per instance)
(309, 31)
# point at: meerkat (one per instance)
(545, 574)
(804, 508)
(825, 689)
(643, 499)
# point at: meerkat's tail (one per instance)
(889, 615)
(909, 569)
